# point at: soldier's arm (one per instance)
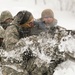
(11, 37)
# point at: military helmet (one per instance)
(5, 15)
(47, 13)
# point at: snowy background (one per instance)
(64, 10)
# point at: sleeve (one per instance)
(11, 37)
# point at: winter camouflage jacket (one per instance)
(13, 34)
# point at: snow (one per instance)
(66, 68)
(66, 18)
(68, 44)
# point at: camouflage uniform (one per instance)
(5, 15)
(15, 32)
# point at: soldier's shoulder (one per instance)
(11, 28)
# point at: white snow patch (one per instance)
(66, 68)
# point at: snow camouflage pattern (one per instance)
(13, 39)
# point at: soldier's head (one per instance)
(6, 16)
(24, 18)
(47, 15)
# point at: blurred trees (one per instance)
(68, 5)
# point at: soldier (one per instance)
(47, 20)
(6, 19)
(48, 23)
(20, 28)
